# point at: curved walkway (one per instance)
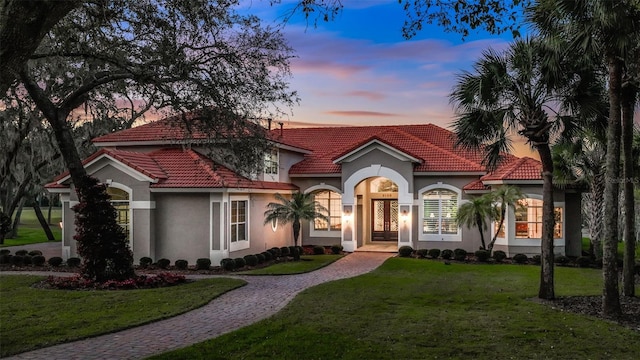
(262, 297)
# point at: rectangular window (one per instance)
(440, 211)
(529, 220)
(271, 162)
(238, 221)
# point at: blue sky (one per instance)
(359, 70)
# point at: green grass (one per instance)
(586, 241)
(30, 231)
(417, 309)
(32, 318)
(306, 264)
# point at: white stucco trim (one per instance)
(405, 198)
(376, 145)
(244, 244)
(91, 169)
(143, 205)
(437, 237)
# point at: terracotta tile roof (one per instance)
(476, 185)
(434, 146)
(178, 168)
(190, 169)
(173, 129)
(524, 168)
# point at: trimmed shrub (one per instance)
(163, 263)
(5, 258)
(536, 259)
(276, 252)
(228, 264)
(292, 250)
(203, 264)
(583, 261)
(16, 260)
(22, 252)
(446, 254)
(5, 252)
(35, 252)
(181, 264)
(482, 255)
(300, 250)
(499, 255)
(73, 262)
(38, 260)
(145, 261)
(561, 260)
(520, 258)
(267, 256)
(27, 259)
(261, 258)
(284, 251)
(251, 260)
(460, 254)
(240, 263)
(318, 250)
(405, 251)
(422, 253)
(433, 253)
(55, 261)
(336, 249)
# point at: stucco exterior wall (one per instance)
(182, 226)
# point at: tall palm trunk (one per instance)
(610, 295)
(547, 288)
(480, 224)
(628, 276)
(593, 203)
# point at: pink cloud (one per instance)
(358, 113)
(371, 95)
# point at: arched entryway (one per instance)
(376, 210)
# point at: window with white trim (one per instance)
(120, 201)
(332, 201)
(440, 208)
(271, 162)
(528, 220)
(239, 228)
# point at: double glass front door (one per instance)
(384, 219)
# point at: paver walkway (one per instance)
(262, 297)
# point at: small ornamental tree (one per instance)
(102, 243)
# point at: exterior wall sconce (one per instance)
(347, 213)
(404, 214)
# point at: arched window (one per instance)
(120, 201)
(440, 211)
(331, 200)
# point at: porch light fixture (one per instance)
(404, 214)
(346, 213)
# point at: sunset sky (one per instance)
(359, 70)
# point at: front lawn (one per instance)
(30, 231)
(418, 309)
(33, 318)
(306, 264)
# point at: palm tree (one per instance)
(582, 163)
(609, 29)
(475, 213)
(517, 91)
(300, 207)
(503, 198)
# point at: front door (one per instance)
(384, 220)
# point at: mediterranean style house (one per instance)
(382, 185)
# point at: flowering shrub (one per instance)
(138, 282)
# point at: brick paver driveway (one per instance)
(262, 297)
